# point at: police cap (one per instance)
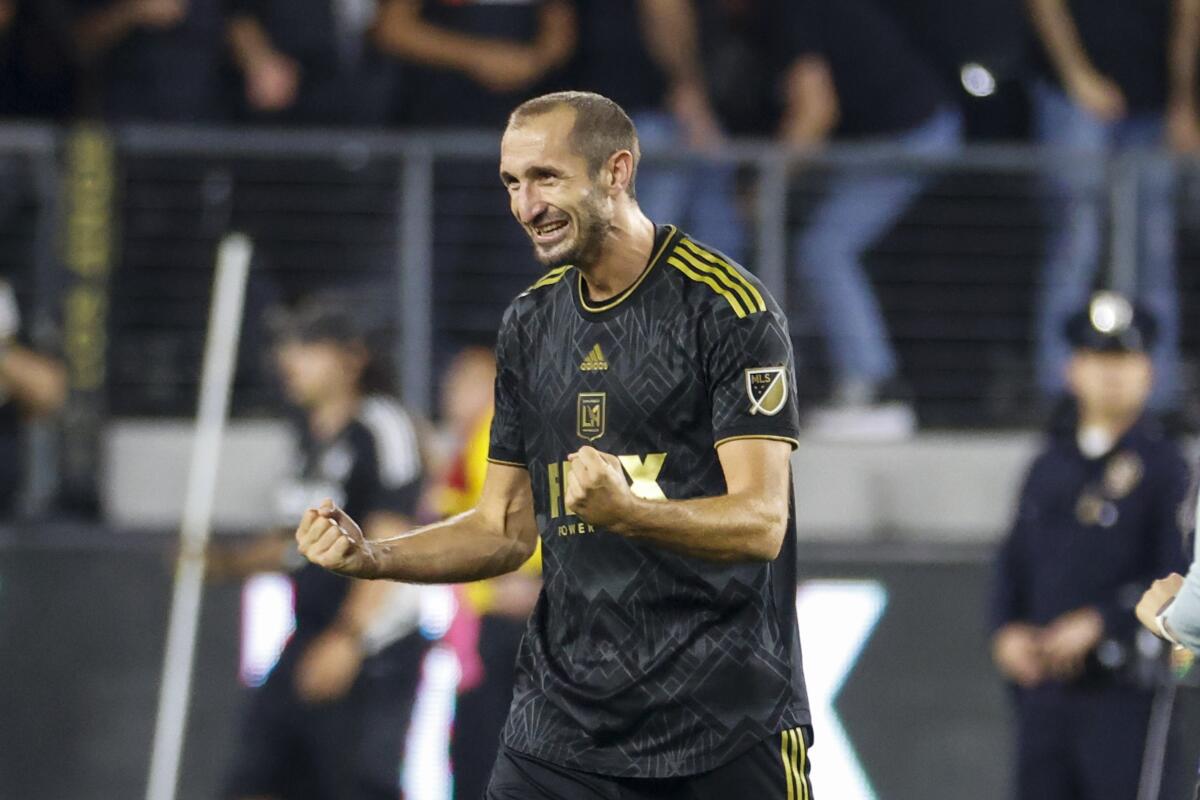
(1111, 324)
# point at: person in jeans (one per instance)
(1112, 76)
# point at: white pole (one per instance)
(220, 355)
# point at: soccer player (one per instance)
(645, 414)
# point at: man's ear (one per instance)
(619, 172)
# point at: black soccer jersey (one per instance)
(374, 464)
(639, 661)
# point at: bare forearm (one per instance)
(725, 528)
(1055, 27)
(401, 32)
(248, 41)
(456, 550)
(670, 31)
(99, 31)
(38, 383)
(1183, 49)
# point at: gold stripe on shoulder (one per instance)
(699, 277)
(719, 274)
(505, 463)
(733, 271)
(795, 443)
(553, 276)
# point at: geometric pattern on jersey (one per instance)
(639, 661)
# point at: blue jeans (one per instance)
(860, 206)
(697, 197)
(1077, 206)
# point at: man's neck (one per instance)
(628, 246)
(1110, 426)
(328, 419)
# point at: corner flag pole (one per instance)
(220, 356)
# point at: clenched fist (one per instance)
(329, 538)
(596, 490)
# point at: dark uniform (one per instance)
(1091, 532)
(643, 672)
(352, 747)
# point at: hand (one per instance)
(158, 13)
(1160, 595)
(688, 102)
(1097, 94)
(1017, 654)
(329, 666)
(596, 489)
(272, 82)
(1183, 128)
(1067, 641)
(506, 68)
(8, 9)
(329, 538)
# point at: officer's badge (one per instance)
(1124, 472)
(767, 389)
(591, 415)
(1092, 509)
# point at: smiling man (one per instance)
(645, 415)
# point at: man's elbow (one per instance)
(767, 541)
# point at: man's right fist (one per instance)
(329, 538)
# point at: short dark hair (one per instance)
(601, 127)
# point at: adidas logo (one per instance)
(594, 361)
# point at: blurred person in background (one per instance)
(895, 97)
(1112, 75)
(468, 62)
(310, 62)
(151, 60)
(494, 611)
(1099, 518)
(331, 719)
(32, 385)
(648, 56)
(37, 58)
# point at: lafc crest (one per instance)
(767, 389)
(591, 415)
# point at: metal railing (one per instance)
(416, 224)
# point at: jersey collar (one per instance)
(663, 236)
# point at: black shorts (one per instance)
(348, 749)
(777, 768)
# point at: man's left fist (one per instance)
(596, 490)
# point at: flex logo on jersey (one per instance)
(643, 482)
(591, 412)
(767, 389)
(594, 360)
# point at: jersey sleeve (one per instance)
(387, 473)
(506, 444)
(752, 379)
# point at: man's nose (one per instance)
(529, 204)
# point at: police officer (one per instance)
(330, 720)
(1099, 518)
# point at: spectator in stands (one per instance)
(646, 55)
(493, 611)
(895, 97)
(310, 62)
(330, 721)
(467, 63)
(37, 55)
(1099, 518)
(32, 385)
(1112, 75)
(151, 60)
